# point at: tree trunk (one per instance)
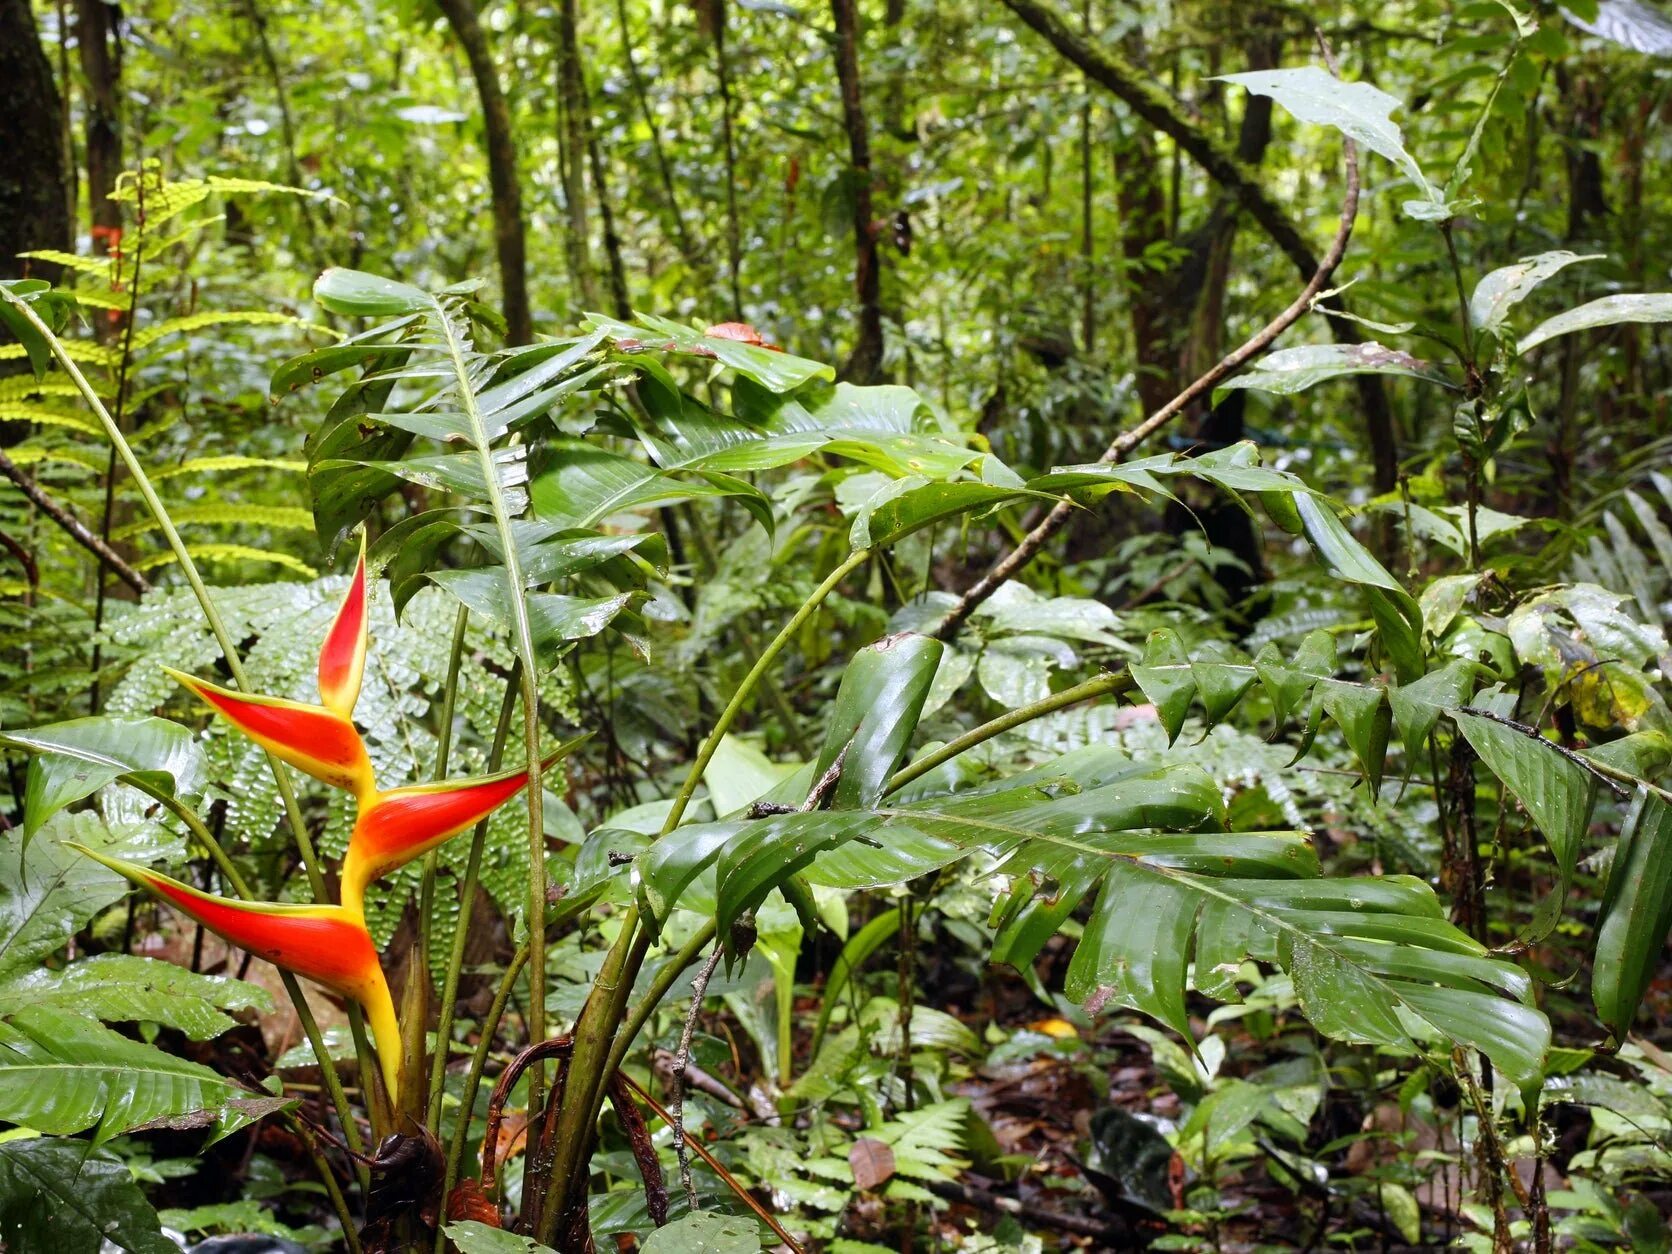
(503, 181)
(34, 210)
(101, 64)
(864, 364)
(571, 134)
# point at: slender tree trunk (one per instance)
(612, 241)
(287, 123)
(687, 249)
(101, 64)
(734, 229)
(1088, 238)
(34, 210)
(571, 133)
(503, 181)
(864, 364)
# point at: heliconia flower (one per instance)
(311, 738)
(326, 944)
(342, 658)
(394, 827)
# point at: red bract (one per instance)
(309, 737)
(342, 658)
(326, 944)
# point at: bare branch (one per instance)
(1007, 566)
(76, 529)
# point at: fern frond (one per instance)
(279, 517)
(230, 553)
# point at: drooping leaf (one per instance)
(1636, 912)
(1418, 706)
(1558, 793)
(875, 714)
(1357, 110)
(1365, 718)
(1606, 312)
(1501, 290)
(1292, 370)
(123, 988)
(358, 294)
(1166, 679)
(73, 760)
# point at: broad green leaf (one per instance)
(123, 988)
(62, 1074)
(1357, 110)
(581, 485)
(920, 505)
(703, 1232)
(886, 427)
(1292, 370)
(1501, 290)
(1636, 912)
(1288, 684)
(773, 370)
(64, 1197)
(72, 760)
(1223, 678)
(1606, 312)
(1417, 706)
(1365, 718)
(1166, 679)
(358, 294)
(477, 1238)
(875, 714)
(1558, 793)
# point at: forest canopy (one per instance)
(876, 626)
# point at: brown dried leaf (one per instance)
(872, 1162)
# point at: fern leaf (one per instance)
(230, 553)
(278, 517)
(47, 416)
(230, 461)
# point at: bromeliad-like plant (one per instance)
(330, 944)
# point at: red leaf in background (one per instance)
(467, 1201)
(742, 332)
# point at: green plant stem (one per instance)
(443, 750)
(1117, 681)
(198, 828)
(601, 1016)
(461, 930)
(735, 706)
(523, 635)
(664, 980)
(328, 1178)
(473, 1080)
(229, 650)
